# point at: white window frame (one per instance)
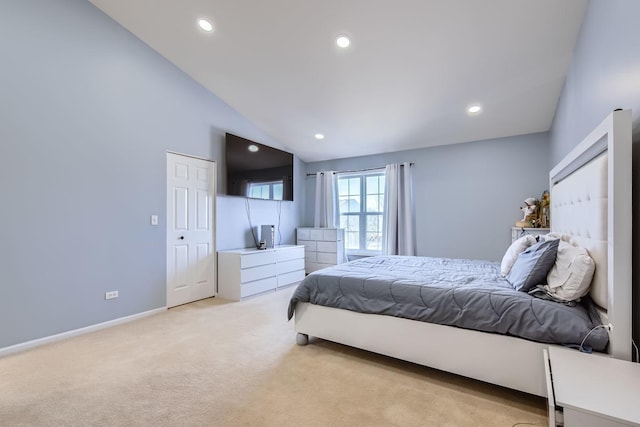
(270, 185)
(362, 251)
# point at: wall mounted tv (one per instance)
(257, 171)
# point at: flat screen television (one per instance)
(257, 171)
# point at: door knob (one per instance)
(181, 237)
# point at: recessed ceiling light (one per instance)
(343, 41)
(253, 148)
(473, 109)
(205, 25)
(319, 136)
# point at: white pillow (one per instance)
(571, 275)
(514, 250)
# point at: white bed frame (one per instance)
(509, 361)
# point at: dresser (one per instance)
(323, 247)
(250, 271)
(517, 232)
(591, 390)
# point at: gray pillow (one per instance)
(532, 265)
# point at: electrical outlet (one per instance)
(111, 295)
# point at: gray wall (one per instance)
(87, 113)
(234, 214)
(467, 196)
(604, 75)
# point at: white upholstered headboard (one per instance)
(591, 202)
(579, 208)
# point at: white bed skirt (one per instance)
(503, 360)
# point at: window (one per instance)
(266, 190)
(361, 204)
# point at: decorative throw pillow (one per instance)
(571, 275)
(533, 265)
(514, 250)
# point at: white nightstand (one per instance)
(593, 390)
(517, 232)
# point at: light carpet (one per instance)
(221, 363)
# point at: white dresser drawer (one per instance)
(309, 245)
(257, 273)
(258, 286)
(327, 258)
(289, 278)
(289, 266)
(257, 258)
(316, 234)
(289, 254)
(310, 266)
(324, 265)
(303, 234)
(330, 235)
(327, 247)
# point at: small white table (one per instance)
(595, 390)
(517, 232)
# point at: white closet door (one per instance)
(190, 229)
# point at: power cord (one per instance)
(248, 208)
(279, 210)
(607, 327)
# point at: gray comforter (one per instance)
(457, 292)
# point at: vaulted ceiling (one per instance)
(406, 80)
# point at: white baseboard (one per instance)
(65, 335)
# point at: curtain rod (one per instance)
(353, 171)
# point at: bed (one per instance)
(590, 203)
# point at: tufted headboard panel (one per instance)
(579, 209)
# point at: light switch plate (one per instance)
(154, 219)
